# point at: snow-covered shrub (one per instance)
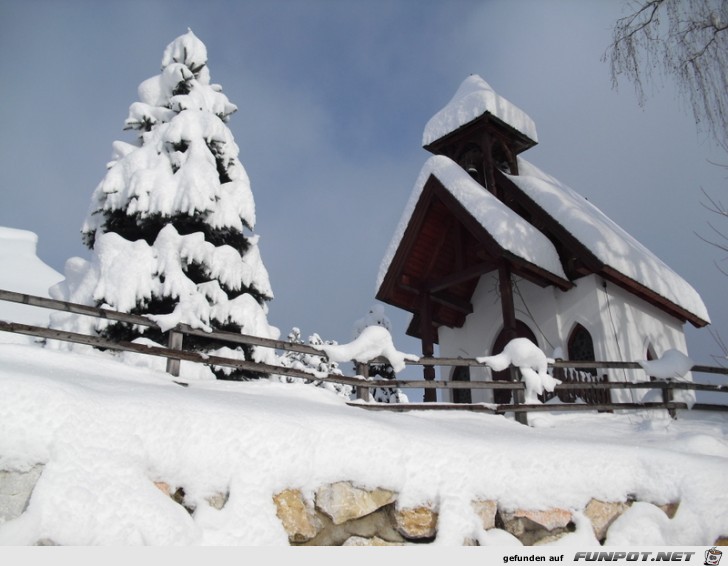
(316, 365)
(376, 317)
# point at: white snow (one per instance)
(23, 272)
(530, 360)
(511, 231)
(673, 364)
(605, 239)
(173, 169)
(371, 343)
(105, 430)
(185, 165)
(474, 98)
(124, 273)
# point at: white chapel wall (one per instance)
(552, 314)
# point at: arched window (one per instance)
(649, 356)
(581, 346)
(581, 349)
(503, 158)
(471, 159)
(461, 373)
(650, 353)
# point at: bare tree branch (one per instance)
(685, 41)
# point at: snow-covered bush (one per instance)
(376, 317)
(170, 224)
(317, 365)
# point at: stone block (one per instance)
(218, 500)
(298, 517)
(602, 514)
(486, 511)
(15, 491)
(343, 501)
(531, 526)
(375, 525)
(416, 522)
(670, 509)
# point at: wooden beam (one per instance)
(508, 308)
(509, 327)
(450, 300)
(428, 345)
(465, 274)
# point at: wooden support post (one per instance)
(174, 343)
(363, 393)
(511, 332)
(428, 345)
(668, 396)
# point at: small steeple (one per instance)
(481, 131)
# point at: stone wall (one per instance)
(342, 514)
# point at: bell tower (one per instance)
(481, 131)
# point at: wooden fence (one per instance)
(594, 392)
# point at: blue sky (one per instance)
(333, 97)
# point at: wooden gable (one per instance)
(441, 257)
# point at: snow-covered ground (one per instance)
(106, 429)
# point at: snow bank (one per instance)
(23, 272)
(106, 431)
(474, 98)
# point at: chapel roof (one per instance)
(545, 230)
(474, 99)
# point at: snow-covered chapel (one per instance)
(490, 248)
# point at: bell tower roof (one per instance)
(473, 99)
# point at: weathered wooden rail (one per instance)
(175, 352)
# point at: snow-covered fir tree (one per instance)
(376, 317)
(171, 223)
(312, 363)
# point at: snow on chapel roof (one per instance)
(610, 244)
(613, 252)
(474, 98)
(511, 231)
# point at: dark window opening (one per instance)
(461, 373)
(581, 347)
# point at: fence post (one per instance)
(175, 343)
(363, 393)
(668, 396)
(519, 396)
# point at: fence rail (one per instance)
(174, 353)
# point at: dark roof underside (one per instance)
(443, 253)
